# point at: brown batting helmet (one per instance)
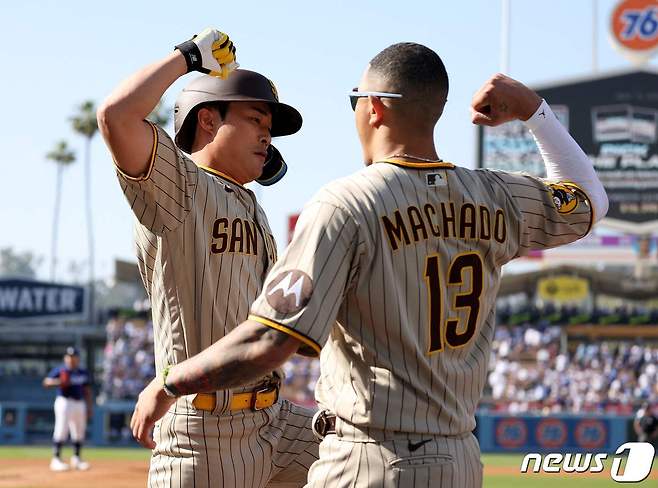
(241, 86)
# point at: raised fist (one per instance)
(210, 52)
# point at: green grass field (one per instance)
(90, 453)
(503, 469)
(507, 473)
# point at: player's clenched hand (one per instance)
(151, 406)
(210, 52)
(502, 99)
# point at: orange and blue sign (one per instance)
(555, 434)
(591, 434)
(511, 433)
(634, 27)
(551, 433)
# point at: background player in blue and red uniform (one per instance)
(73, 406)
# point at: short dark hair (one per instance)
(188, 129)
(221, 107)
(417, 73)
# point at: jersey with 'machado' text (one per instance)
(393, 272)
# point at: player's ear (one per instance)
(207, 120)
(376, 110)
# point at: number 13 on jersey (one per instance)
(449, 331)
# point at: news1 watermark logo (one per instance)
(639, 461)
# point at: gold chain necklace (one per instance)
(409, 156)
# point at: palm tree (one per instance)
(84, 123)
(62, 156)
(160, 115)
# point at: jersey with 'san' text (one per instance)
(204, 247)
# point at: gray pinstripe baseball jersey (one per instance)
(406, 258)
(204, 247)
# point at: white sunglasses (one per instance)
(355, 94)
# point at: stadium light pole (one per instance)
(595, 35)
(505, 36)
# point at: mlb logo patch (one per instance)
(435, 179)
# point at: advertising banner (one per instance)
(39, 301)
(529, 434)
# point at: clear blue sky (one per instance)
(58, 53)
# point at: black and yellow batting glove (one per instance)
(210, 52)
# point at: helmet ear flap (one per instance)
(185, 135)
(274, 167)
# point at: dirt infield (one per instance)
(34, 473)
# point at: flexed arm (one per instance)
(502, 99)
(121, 117)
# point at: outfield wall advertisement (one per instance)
(556, 433)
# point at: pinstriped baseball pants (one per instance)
(273, 447)
(441, 462)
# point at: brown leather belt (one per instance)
(323, 424)
(258, 399)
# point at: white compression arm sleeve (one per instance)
(564, 159)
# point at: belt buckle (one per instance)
(319, 424)
(264, 389)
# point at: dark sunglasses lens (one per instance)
(353, 100)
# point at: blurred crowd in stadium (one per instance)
(128, 363)
(574, 315)
(532, 367)
(530, 371)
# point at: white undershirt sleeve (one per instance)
(564, 159)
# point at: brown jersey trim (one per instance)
(220, 174)
(408, 164)
(151, 161)
(315, 348)
(589, 204)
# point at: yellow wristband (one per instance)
(169, 391)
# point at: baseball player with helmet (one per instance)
(204, 247)
(392, 276)
(73, 406)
